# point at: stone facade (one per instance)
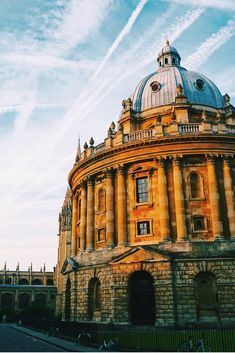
(150, 212)
(22, 289)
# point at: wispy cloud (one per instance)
(75, 28)
(213, 43)
(218, 4)
(124, 32)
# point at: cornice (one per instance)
(163, 140)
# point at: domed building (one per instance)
(147, 229)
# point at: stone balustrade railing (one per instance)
(189, 128)
(139, 135)
(158, 131)
(99, 147)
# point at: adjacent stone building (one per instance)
(22, 289)
(147, 229)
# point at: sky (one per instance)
(65, 67)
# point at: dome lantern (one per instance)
(168, 55)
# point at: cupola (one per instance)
(168, 55)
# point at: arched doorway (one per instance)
(94, 297)
(142, 299)
(67, 300)
(206, 295)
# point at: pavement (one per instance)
(67, 346)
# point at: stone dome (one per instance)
(160, 87)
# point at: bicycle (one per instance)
(83, 337)
(109, 346)
(202, 347)
(189, 346)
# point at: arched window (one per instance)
(50, 282)
(7, 301)
(67, 300)
(23, 301)
(1, 281)
(101, 200)
(166, 60)
(195, 185)
(142, 299)
(36, 282)
(40, 299)
(206, 295)
(94, 296)
(8, 280)
(23, 281)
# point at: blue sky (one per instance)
(65, 67)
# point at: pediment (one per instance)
(140, 254)
(69, 265)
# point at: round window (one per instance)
(199, 83)
(155, 86)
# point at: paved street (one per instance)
(12, 340)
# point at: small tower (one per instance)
(168, 56)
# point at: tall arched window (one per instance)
(23, 301)
(94, 297)
(195, 185)
(50, 282)
(8, 280)
(40, 299)
(37, 282)
(142, 299)
(67, 300)
(7, 301)
(101, 200)
(206, 295)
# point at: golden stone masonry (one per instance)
(147, 228)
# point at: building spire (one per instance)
(78, 154)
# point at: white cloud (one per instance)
(213, 43)
(218, 4)
(124, 32)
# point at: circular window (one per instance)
(199, 83)
(155, 86)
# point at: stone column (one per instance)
(83, 216)
(90, 214)
(163, 201)
(74, 226)
(109, 208)
(179, 201)
(229, 196)
(214, 198)
(121, 201)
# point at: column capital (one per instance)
(75, 193)
(176, 160)
(226, 157)
(161, 161)
(211, 158)
(121, 169)
(83, 182)
(90, 180)
(109, 172)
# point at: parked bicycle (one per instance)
(189, 346)
(109, 346)
(83, 337)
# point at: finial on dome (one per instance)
(167, 41)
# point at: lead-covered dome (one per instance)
(160, 87)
